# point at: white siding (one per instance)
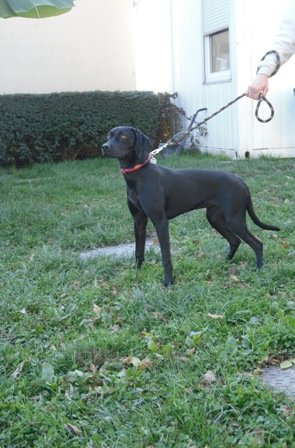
(277, 137)
(188, 58)
(187, 53)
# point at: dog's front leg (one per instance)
(140, 222)
(162, 229)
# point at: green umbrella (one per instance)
(35, 9)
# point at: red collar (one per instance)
(136, 167)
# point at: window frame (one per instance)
(215, 77)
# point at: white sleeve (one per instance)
(284, 43)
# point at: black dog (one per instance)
(161, 193)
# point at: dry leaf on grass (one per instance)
(287, 364)
(131, 361)
(136, 362)
(208, 378)
(72, 429)
(234, 278)
(215, 316)
(97, 310)
(146, 363)
(18, 370)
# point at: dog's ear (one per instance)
(142, 145)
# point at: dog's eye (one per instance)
(123, 138)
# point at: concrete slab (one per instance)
(121, 250)
(280, 380)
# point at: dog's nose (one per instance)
(105, 148)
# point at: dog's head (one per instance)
(127, 144)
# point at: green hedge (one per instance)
(65, 126)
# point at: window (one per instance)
(216, 40)
(219, 52)
(217, 61)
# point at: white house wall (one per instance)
(89, 48)
(153, 45)
(188, 66)
(235, 131)
(254, 35)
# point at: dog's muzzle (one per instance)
(104, 149)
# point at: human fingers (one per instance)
(258, 86)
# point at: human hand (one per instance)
(258, 86)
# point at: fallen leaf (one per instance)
(72, 429)
(216, 316)
(131, 360)
(234, 279)
(183, 359)
(97, 310)
(158, 315)
(287, 364)
(274, 236)
(284, 243)
(146, 363)
(190, 351)
(208, 378)
(188, 390)
(17, 371)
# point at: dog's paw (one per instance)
(167, 283)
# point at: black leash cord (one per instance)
(218, 111)
(180, 136)
(272, 112)
(260, 100)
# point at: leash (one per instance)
(181, 136)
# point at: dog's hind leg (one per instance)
(238, 227)
(216, 218)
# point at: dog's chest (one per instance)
(133, 198)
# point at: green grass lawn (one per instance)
(94, 354)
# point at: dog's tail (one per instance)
(256, 220)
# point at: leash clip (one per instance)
(272, 112)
